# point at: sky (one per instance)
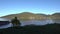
(8, 7)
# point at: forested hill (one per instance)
(29, 15)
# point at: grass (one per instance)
(33, 29)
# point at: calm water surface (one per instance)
(35, 22)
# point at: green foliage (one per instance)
(15, 21)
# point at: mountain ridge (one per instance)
(29, 15)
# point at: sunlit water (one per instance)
(35, 22)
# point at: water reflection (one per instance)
(6, 26)
(56, 21)
(35, 22)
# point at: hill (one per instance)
(26, 16)
(29, 16)
(55, 16)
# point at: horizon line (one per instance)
(29, 12)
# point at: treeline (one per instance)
(33, 29)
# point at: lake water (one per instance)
(35, 22)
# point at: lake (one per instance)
(34, 22)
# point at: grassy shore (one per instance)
(32, 29)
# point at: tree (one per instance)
(15, 22)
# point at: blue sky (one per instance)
(35, 6)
